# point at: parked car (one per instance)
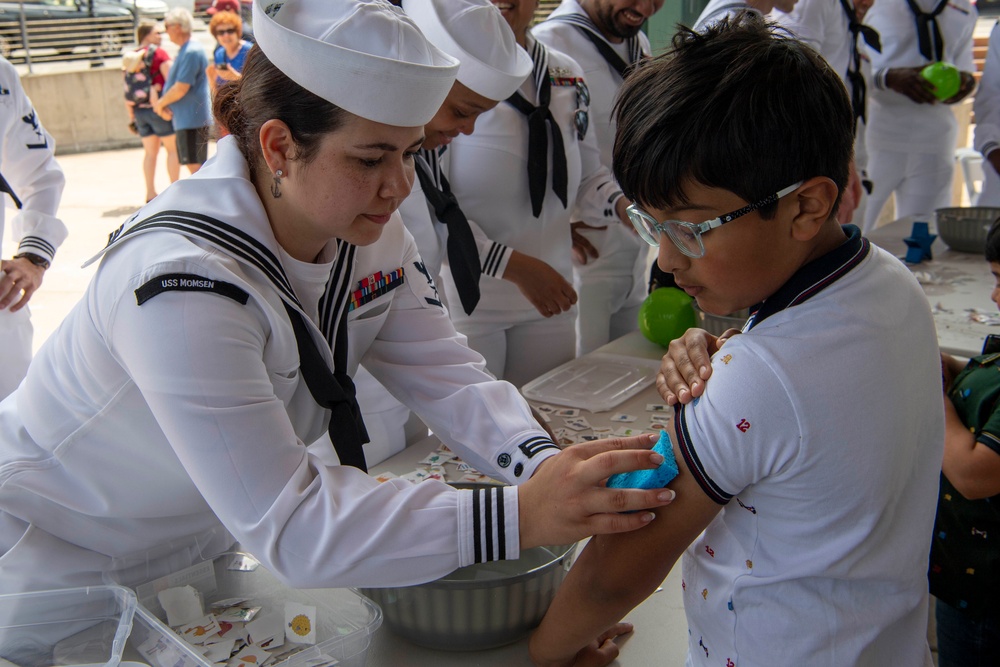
(145, 9)
(65, 27)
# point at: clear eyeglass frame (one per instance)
(687, 235)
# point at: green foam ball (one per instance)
(666, 314)
(945, 77)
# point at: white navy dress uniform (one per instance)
(986, 107)
(826, 27)
(491, 64)
(168, 414)
(612, 287)
(911, 147)
(32, 175)
(489, 176)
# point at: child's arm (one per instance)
(971, 467)
(614, 575)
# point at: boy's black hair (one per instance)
(993, 242)
(741, 106)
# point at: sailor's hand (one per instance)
(566, 498)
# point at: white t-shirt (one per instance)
(821, 431)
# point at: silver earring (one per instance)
(276, 186)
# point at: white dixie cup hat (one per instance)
(364, 56)
(476, 33)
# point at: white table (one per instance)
(660, 636)
(954, 282)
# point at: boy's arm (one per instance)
(614, 574)
(972, 467)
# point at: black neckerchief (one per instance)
(854, 75)
(540, 120)
(463, 253)
(928, 30)
(814, 277)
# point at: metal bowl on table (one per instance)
(718, 324)
(964, 229)
(477, 607)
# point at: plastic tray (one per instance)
(345, 620)
(70, 626)
(598, 382)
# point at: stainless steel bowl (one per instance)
(717, 324)
(964, 229)
(477, 607)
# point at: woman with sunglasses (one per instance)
(230, 54)
(531, 169)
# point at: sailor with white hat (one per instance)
(530, 168)
(168, 415)
(491, 67)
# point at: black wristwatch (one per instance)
(37, 260)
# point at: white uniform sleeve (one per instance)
(197, 358)
(29, 165)
(986, 105)
(426, 364)
(737, 432)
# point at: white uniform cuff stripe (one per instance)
(488, 527)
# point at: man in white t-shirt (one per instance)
(809, 462)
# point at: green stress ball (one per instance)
(946, 79)
(666, 314)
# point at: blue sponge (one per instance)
(657, 478)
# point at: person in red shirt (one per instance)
(151, 128)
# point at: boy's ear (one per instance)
(815, 198)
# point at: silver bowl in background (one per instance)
(477, 607)
(964, 229)
(718, 324)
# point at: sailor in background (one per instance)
(167, 416)
(491, 67)
(836, 31)
(986, 108)
(604, 37)
(532, 160)
(911, 135)
(33, 181)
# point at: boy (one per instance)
(963, 573)
(811, 459)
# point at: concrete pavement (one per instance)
(102, 190)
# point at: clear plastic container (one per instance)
(70, 626)
(596, 382)
(345, 620)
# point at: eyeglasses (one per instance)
(581, 119)
(687, 235)
(225, 31)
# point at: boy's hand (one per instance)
(688, 364)
(602, 651)
(566, 499)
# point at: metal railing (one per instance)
(27, 41)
